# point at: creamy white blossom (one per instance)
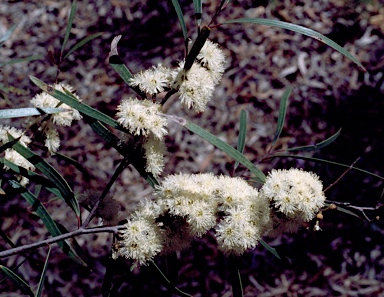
(153, 81)
(154, 154)
(212, 58)
(141, 240)
(142, 117)
(63, 118)
(13, 156)
(195, 86)
(52, 141)
(295, 193)
(200, 197)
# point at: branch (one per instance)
(20, 249)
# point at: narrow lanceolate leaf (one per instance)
(29, 111)
(327, 162)
(51, 173)
(316, 146)
(242, 134)
(82, 42)
(17, 281)
(220, 145)
(47, 220)
(119, 145)
(301, 30)
(42, 277)
(7, 89)
(7, 34)
(76, 104)
(282, 113)
(14, 61)
(197, 5)
(269, 248)
(118, 65)
(180, 16)
(8, 145)
(69, 26)
(33, 176)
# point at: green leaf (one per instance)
(119, 145)
(180, 16)
(29, 111)
(8, 145)
(299, 29)
(220, 145)
(50, 172)
(316, 146)
(42, 277)
(14, 61)
(242, 133)
(69, 26)
(327, 162)
(269, 248)
(17, 281)
(82, 42)
(7, 35)
(197, 5)
(73, 162)
(7, 89)
(76, 104)
(282, 113)
(32, 176)
(47, 220)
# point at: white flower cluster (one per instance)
(195, 86)
(52, 141)
(13, 156)
(143, 117)
(189, 206)
(296, 197)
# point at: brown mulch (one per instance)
(329, 93)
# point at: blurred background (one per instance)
(329, 93)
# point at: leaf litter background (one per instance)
(330, 92)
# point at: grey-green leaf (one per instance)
(299, 29)
(7, 34)
(82, 42)
(69, 26)
(180, 16)
(242, 133)
(220, 145)
(29, 111)
(316, 146)
(197, 5)
(33, 176)
(42, 277)
(14, 61)
(327, 162)
(18, 281)
(269, 248)
(282, 113)
(50, 172)
(76, 104)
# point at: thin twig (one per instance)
(341, 176)
(119, 169)
(24, 248)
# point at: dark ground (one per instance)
(330, 92)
